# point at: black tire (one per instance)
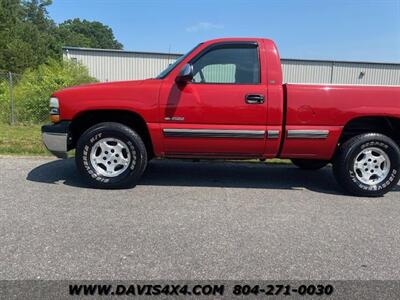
(309, 164)
(346, 175)
(135, 146)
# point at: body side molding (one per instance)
(307, 134)
(214, 133)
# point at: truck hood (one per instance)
(139, 96)
(99, 86)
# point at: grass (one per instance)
(27, 140)
(21, 140)
(278, 161)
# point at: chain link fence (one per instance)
(7, 114)
(15, 107)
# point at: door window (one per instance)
(229, 64)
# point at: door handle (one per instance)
(254, 99)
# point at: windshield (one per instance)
(174, 64)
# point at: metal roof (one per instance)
(341, 61)
(179, 54)
(118, 51)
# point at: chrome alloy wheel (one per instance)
(110, 157)
(371, 166)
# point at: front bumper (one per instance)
(56, 138)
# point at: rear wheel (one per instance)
(309, 164)
(368, 165)
(111, 155)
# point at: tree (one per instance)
(83, 33)
(10, 15)
(26, 35)
(29, 37)
(35, 12)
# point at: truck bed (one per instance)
(328, 108)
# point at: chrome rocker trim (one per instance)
(307, 134)
(214, 133)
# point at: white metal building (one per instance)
(113, 65)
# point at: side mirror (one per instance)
(185, 75)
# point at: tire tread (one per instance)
(130, 180)
(340, 161)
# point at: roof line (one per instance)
(179, 54)
(342, 61)
(118, 51)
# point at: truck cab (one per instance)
(225, 99)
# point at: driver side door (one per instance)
(222, 111)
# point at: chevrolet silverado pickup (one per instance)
(225, 99)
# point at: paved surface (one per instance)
(193, 221)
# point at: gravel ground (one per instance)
(193, 220)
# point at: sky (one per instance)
(354, 30)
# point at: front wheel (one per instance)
(111, 155)
(368, 165)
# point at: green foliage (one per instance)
(33, 90)
(26, 35)
(87, 34)
(29, 37)
(4, 100)
(31, 44)
(21, 140)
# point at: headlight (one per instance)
(54, 110)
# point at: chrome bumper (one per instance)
(56, 143)
(55, 138)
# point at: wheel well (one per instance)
(87, 119)
(388, 126)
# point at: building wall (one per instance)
(298, 71)
(385, 74)
(305, 71)
(113, 65)
(121, 65)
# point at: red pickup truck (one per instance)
(225, 99)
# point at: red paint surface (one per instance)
(222, 106)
